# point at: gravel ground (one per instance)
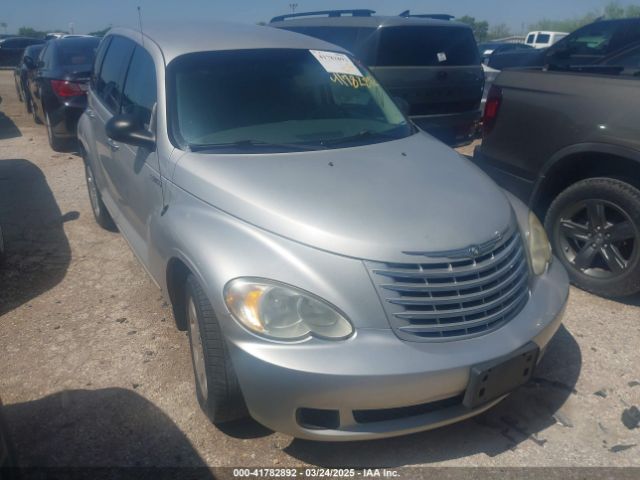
(93, 371)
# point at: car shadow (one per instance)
(110, 427)
(8, 129)
(521, 416)
(37, 249)
(633, 300)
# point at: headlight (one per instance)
(283, 312)
(538, 245)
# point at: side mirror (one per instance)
(402, 104)
(28, 62)
(128, 129)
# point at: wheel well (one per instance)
(177, 273)
(578, 167)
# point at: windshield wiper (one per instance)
(363, 135)
(199, 147)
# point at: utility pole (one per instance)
(293, 7)
(70, 27)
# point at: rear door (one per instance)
(104, 102)
(436, 69)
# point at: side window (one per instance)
(114, 67)
(45, 56)
(102, 50)
(139, 94)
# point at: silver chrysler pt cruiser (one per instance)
(342, 275)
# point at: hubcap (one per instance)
(93, 191)
(197, 351)
(598, 238)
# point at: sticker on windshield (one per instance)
(442, 57)
(336, 62)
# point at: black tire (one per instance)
(36, 119)
(100, 212)
(18, 91)
(594, 228)
(217, 386)
(2, 247)
(56, 143)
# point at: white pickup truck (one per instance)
(541, 39)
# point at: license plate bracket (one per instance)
(491, 380)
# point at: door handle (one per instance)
(90, 113)
(114, 146)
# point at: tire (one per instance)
(217, 386)
(2, 248)
(100, 212)
(36, 119)
(18, 92)
(594, 229)
(56, 143)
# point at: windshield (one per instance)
(277, 100)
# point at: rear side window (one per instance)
(45, 56)
(140, 88)
(543, 38)
(114, 67)
(427, 47)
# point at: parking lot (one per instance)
(93, 371)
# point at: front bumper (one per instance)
(375, 370)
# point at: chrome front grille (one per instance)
(448, 298)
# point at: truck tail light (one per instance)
(65, 88)
(491, 109)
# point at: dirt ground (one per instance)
(93, 371)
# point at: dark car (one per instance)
(491, 48)
(569, 143)
(24, 71)
(7, 454)
(430, 63)
(11, 49)
(59, 86)
(587, 45)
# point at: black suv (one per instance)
(428, 61)
(587, 45)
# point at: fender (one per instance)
(560, 156)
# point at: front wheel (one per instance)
(217, 387)
(594, 228)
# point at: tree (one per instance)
(480, 29)
(501, 30)
(614, 10)
(30, 32)
(633, 11)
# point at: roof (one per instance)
(179, 39)
(373, 21)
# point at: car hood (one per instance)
(371, 202)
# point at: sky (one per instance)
(91, 15)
